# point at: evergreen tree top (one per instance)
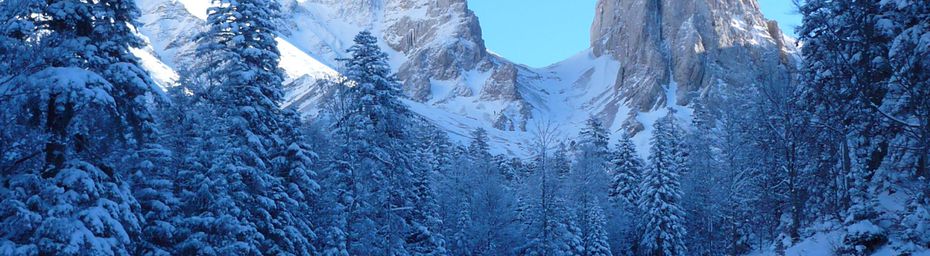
(479, 143)
(594, 133)
(367, 63)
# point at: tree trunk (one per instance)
(56, 123)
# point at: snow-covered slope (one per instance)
(900, 213)
(451, 78)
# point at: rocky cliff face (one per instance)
(436, 47)
(432, 39)
(693, 44)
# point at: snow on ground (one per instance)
(565, 94)
(163, 75)
(297, 63)
(197, 8)
(583, 85)
(459, 127)
(820, 244)
(824, 238)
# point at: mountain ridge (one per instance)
(450, 77)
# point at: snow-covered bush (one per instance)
(862, 238)
(916, 222)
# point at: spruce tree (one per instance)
(908, 57)
(590, 188)
(378, 132)
(295, 166)
(491, 200)
(626, 167)
(153, 183)
(81, 97)
(425, 238)
(595, 239)
(338, 195)
(462, 243)
(660, 195)
(249, 209)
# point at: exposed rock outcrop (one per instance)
(693, 44)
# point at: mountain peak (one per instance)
(692, 44)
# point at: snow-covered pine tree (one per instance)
(184, 130)
(508, 167)
(908, 56)
(425, 237)
(589, 183)
(549, 223)
(18, 159)
(917, 223)
(153, 186)
(437, 151)
(18, 28)
(462, 243)
(722, 159)
(338, 186)
(700, 201)
(338, 195)
(741, 199)
(81, 84)
(660, 195)
(595, 239)
(453, 188)
(539, 196)
(596, 135)
(560, 162)
(378, 131)
(626, 167)
(239, 204)
(845, 79)
(295, 166)
(569, 240)
(479, 150)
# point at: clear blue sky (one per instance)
(541, 32)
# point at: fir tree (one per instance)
(153, 186)
(660, 195)
(908, 57)
(250, 210)
(626, 168)
(425, 238)
(378, 133)
(595, 134)
(295, 166)
(595, 239)
(83, 97)
(589, 185)
(462, 243)
(478, 148)
(846, 86)
(338, 195)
